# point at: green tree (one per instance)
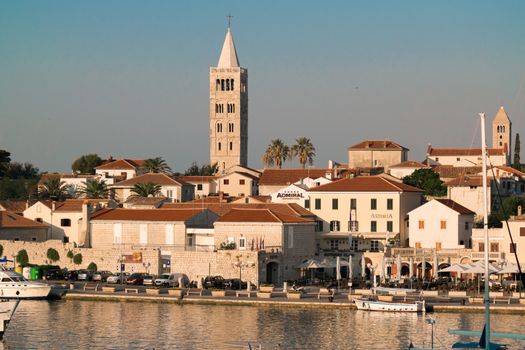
(516, 164)
(53, 255)
(70, 254)
(17, 188)
(86, 164)
(92, 266)
(54, 189)
(146, 189)
(22, 258)
(15, 170)
(5, 159)
(77, 259)
(304, 150)
(276, 154)
(156, 165)
(204, 170)
(427, 180)
(93, 189)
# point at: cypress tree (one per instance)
(516, 164)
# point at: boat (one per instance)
(7, 309)
(14, 285)
(376, 305)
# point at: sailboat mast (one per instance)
(486, 231)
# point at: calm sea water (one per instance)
(135, 325)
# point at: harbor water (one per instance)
(75, 324)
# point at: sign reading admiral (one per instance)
(290, 195)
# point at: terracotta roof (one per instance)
(49, 176)
(444, 152)
(468, 180)
(75, 205)
(146, 214)
(14, 206)
(198, 179)
(213, 200)
(511, 170)
(253, 177)
(409, 164)
(378, 144)
(260, 215)
(221, 209)
(10, 220)
(274, 177)
(156, 178)
(365, 184)
(455, 206)
(125, 164)
(450, 172)
(146, 200)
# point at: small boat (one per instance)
(376, 305)
(7, 309)
(14, 285)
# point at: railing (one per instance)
(492, 255)
(173, 247)
(353, 226)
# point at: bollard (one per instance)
(285, 286)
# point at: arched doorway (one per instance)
(272, 272)
(405, 270)
(427, 271)
(441, 267)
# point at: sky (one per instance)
(130, 78)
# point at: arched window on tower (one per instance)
(227, 84)
(231, 84)
(217, 84)
(219, 146)
(222, 84)
(219, 127)
(503, 128)
(231, 146)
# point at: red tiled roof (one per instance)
(146, 214)
(449, 171)
(378, 144)
(365, 184)
(125, 164)
(198, 179)
(511, 170)
(75, 205)
(221, 209)
(275, 177)
(156, 178)
(468, 180)
(146, 200)
(436, 152)
(14, 206)
(253, 177)
(409, 164)
(455, 206)
(260, 215)
(10, 220)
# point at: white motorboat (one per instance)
(7, 309)
(376, 305)
(14, 285)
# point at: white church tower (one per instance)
(228, 109)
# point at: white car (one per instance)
(116, 278)
(162, 280)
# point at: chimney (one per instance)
(53, 206)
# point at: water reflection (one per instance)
(136, 325)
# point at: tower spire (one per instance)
(228, 58)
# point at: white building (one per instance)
(405, 168)
(440, 224)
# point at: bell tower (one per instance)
(228, 109)
(502, 132)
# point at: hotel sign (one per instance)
(382, 216)
(290, 195)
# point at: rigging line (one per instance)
(506, 221)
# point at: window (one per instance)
(335, 225)
(512, 247)
(143, 228)
(39, 220)
(231, 84)
(481, 247)
(522, 230)
(199, 187)
(374, 246)
(334, 244)
(355, 244)
(169, 234)
(242, 181)
(335, 203)
(318, 203)
(418, 245)
(65, 222)
(494, 247)
(219, 127)
(353, 226)
(389, 204)
(231, 146)
(373, 226)
(219, 146)
(421, 224)
(226, 181)
(353, 203)
(117, 233)
(443, 224)
(169, 193)
(307, 203)
(290, 237)
(458, 159)
(242, 243)
(230, 127)
(373, 204)
(390, 226)
(466, 225)
(319, 225)
(438, 245)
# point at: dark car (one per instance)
(136, 279)
(54, 274)
(71, 275)
(214, 282)
(235, 283)
(101, 276)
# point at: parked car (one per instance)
(173, 280)
(214, 282)
(71, 275)
(162, 280)
(235, 283)
(148, 280)
(54, 274)
(84, 275)
(115, 278)
(136, 279)
(101, 276)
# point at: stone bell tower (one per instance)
(502, 132)
(228, 109)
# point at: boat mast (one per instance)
(486, 232)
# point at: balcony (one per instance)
(497, 256)
(353, 226)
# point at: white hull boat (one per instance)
(375, 305)
(15, 286)
(7, 309)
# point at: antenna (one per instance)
(229, 19)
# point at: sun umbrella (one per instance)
(509, 268)
(337, 268)
(454, 268)
(363, 266)
(436, 260)
(350, 267)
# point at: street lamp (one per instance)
(431, 322)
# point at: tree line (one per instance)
(278, 152)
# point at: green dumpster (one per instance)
(36, 273)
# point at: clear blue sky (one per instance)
(130, 78)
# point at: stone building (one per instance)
(376, 153)
(14, 227)
(502, 133)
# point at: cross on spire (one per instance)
(229, 19)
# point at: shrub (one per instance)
(70, 254)
(227, 246)
(22, 258)
(77, 259)
(52, 255)
(92, 266)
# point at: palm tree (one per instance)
(94, 189)
(156, 165)
(276, 153)
(146, 189)
(304, 150)
(54, 189)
